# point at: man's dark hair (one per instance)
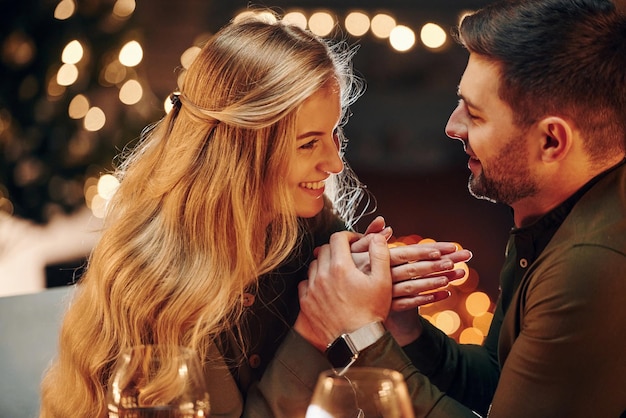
(559, 57)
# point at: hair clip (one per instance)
(175, 99)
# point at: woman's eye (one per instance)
(308, 145)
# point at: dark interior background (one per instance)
(397, 142)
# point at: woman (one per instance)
(216, 216)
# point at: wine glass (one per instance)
(158, 381)
(360, 392)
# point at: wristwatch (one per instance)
(346, 348)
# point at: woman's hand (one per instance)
(417, 271)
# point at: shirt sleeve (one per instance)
(287, 385)
(466, 372)
(428, 400)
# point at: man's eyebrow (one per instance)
(467, 101)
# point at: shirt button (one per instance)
(254, 361)
(248, 299)
(523, 263)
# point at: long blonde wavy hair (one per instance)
(202, 210)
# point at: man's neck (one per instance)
(528, 210)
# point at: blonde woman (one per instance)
(213, 226)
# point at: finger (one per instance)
(459, 256)
(417, 286)
(418, 252)
(377, 225)
(312, 270)
(362, 244)
(342, 241)
(408, 303)
(379, 257)
(303, 288)
(420, 269)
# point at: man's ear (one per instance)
(556, 136)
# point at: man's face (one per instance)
(499, 152)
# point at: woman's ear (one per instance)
(556, 138)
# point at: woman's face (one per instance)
(316, 154)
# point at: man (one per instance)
(542, 117)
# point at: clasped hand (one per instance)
(357, 279)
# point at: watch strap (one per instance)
(344, 351)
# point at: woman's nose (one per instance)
(331, 162)
(456, 128)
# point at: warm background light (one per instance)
(67, 75)
(402, 38)
(382, 25)
(131, 54)
(94, 119)
(357, 23)
(78, 107)
(296, 18)
(433, 36)
(72, 53)
(321, 23)
(124, 8)
(65, 9)
(131, 92)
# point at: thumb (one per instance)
(379, 257)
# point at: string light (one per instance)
(357, 23)
(402, 38)
(321, 23)
(433, 36)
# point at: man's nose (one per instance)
(456, 128)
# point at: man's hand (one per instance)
(338, 297)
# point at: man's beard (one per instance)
(508, 178)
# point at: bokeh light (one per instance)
(124, 8)
(65, 9)
(471, 336)
(357, 23)
(94, 119)
(477, 303)
(187, 57)
(131, 54)
(72, 53)
(448, 321)
(433, 36)
(321, 23)
(295, 18)
(67, 75)
(402, 38)
(107, 186)
(78, 107)
(131, 92)
(483, 322)
(382, 25)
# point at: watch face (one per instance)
(339, 353)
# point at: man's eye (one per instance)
(308, 145)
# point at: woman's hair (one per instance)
(564, 57)
(202, 210)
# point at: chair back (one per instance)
(29, 328)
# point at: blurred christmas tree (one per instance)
(68, 100)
